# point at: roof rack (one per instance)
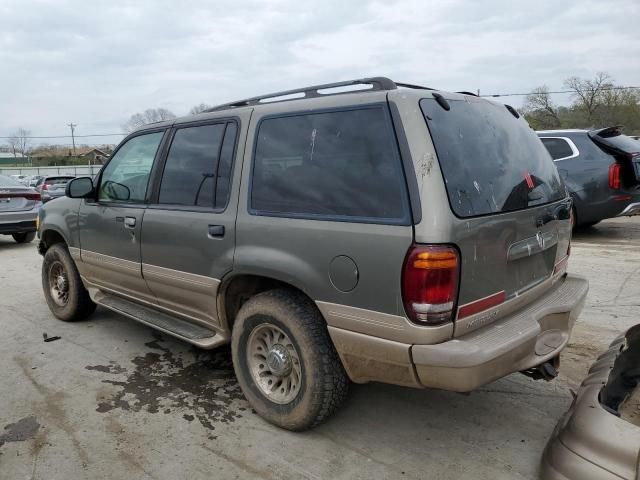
(411, 85)
(377, 83)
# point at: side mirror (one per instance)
(79, 188)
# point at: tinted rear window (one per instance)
(54, 180)
(557, 147)
(331, 165)
(492, 162)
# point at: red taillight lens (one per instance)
(32, 196)
(614, 176)
(430, 283)
(45, 186)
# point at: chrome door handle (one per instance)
(129, 222)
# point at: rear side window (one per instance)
(492, 162)
(559, 148)
(341, 165)
(198, 167)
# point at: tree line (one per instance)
(595, 103)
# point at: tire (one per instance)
(589, 224)
(322, 384)
(24, 237)
(574, 217)
(68, 300)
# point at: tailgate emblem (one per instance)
(540, 239)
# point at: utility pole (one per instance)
(72, 126)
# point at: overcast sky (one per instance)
(96, 63)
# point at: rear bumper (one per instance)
(18, 222)
(18, 227)
(527, 338)
(589, 442)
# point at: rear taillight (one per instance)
(614, 176)
(45, 186)
(33, 196)
(430, 283)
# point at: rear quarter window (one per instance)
(342, 165)
(559, 148)
(491, 161)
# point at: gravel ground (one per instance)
(112, 399)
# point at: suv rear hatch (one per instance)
(512, 223)
(626, 151)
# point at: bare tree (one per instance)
(199, 108)
(19, 142)
(150, 115)
(588, 93)
(13, 142)
(540, 110)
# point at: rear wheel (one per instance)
(63, 289)
(24, 237)
(285, 361)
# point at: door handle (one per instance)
(129, 222)
(216, 231)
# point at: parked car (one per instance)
(34, 179)
(20, 178)
(335, 237)
(18, 210)
(601, 169)
(53, 187)
(599, 437)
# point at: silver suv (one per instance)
(358, 231)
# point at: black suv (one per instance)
(601, 169)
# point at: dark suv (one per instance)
(394, 234)
(601, 169)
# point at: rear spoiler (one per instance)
(607, 132)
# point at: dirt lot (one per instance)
(111, 399)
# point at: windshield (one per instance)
(492, 162)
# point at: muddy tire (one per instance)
(66, 296)
(285, 361)
(24, 237)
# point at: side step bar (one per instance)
(190, 332)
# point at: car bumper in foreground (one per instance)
(590, 442)
(531, 336)
(18, 222)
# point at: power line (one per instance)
(558, 91)
(493, 95)
(76, 136)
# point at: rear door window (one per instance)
(492, 162)
(559, 148)
(341, 165)
(198, 167)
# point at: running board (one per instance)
(189, 332)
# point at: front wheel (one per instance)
(285, 361)
(63, 289)
(24, 237)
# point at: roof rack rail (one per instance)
(377, 83)
(468, 93)
(411, 85)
